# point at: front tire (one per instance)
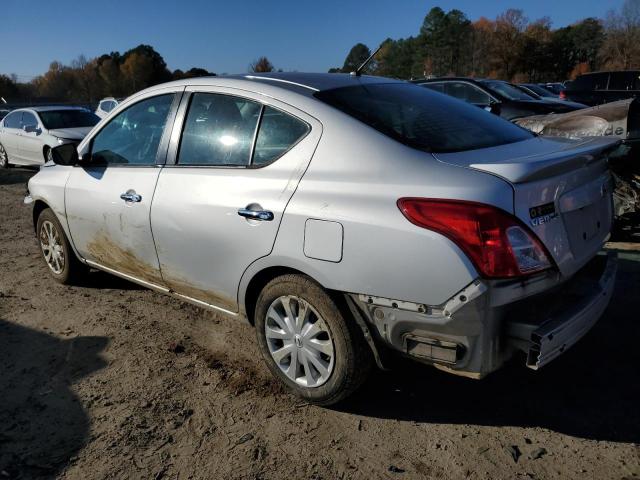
(48, 154)
(4, 157)
(56, 251)
(309, 344)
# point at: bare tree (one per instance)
(261, 65)
(621, 48)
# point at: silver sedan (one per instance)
(345, 217)
(27, 135)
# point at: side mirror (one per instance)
(30, 128)
(66, 154)
(493, 107)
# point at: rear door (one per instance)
(108, 201)
(234, 162)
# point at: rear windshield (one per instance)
(423, 119)
(54, 119)
(507, 90)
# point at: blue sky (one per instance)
(225, 36)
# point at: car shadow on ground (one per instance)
(592, 391)
(42, 422)
(13, 176)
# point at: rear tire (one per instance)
(306, 338)
(4, 157)
(56, 250)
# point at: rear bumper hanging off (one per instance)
(572, 313)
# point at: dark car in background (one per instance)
(603, 87)
(538, 90)
(553, 87)
(543, 94)
(497, 96)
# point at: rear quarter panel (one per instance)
(355, 178)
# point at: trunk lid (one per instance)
(562, 191)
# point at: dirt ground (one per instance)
(114, 381)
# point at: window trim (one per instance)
(163, 146)
(180, 122)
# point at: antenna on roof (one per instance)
(365, 63)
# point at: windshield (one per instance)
(509, 91)
(423, 119)
(54, 119)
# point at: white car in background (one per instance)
(27, 135)
(106, 105)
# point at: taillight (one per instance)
(498, 244)
(563, 95)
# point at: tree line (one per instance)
(109, 75)
(510, 47)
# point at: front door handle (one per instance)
(131, 196)
(262, 215)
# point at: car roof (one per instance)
(49, 108)
(304, 83)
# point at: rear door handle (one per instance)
(131, 196)
(262, 215)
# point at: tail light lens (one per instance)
(563, 95)
(498, 244)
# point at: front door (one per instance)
(11, 132)
(218, 208)
(108, 200)
(30, 147)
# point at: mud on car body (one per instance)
(345, 217)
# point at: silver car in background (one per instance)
(345, 217)
(27, 135)
(106, 105)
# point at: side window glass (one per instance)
(468, 93)
(28, 119)
(278, 133)
(218, 130)
(133, 136)
(621, 80)
(600, 81)
(13, 120)
(438, 87)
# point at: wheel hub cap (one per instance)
(299, 341)
(51, 246)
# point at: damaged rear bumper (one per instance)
(568, 314)
(484, 324)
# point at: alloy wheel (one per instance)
(51, 246)
(299, 341)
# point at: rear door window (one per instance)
(600, 81)
(438, 87)
(278, 133)
(422, 119)
(219, 130)
(467, 92)
(622, 80)
(107, 106)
